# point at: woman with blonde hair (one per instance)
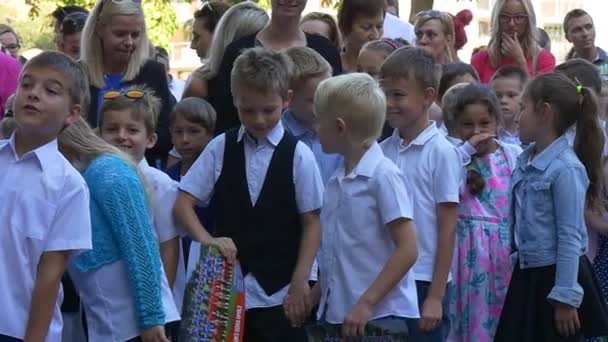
(514, 41)
(240, 20)
(115, 53)
(435, 34)
(121, 281)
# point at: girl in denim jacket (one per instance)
(553, 294)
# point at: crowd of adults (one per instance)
(113, 46)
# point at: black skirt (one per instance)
(528, 316)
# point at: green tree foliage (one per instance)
(160, 16)
(34, 32)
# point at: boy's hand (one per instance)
(431, 314)
(226, 246)
(357, 319)
(154, 334)
(566, 319)
(297, 303)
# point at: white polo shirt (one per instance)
(164, 194)
(44, 207)
(204, 173)
(356, 240)
(432, 166)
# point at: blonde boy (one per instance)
(432, 166)
(128, 121)
(367, 213)
(309, 69)
(266, 192)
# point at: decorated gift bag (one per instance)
(214, 301)
(380, 330)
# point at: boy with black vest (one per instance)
(265, 189)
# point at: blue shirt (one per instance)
(328, 163)
(548, 212)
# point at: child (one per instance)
(452, 74)
(373, 54)
(552, 295)
(44, 212)
(128, 121)
(482, 265)
(265, 192)
(309, 69)
(508, 83)
(121, 282)
(192, 123)
(367, 213)
(432, 166)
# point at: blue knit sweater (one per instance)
(122, 230)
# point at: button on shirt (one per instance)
(357, 242)
(432, 167)
(45, 207)
(204, 173)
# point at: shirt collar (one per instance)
(292, 125)
(601, 56)
(544, 159)
(274, 136)
(143, 164)
(45, 154)
(368, 163)
(422, 138)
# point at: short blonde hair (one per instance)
(307, 63)
(357, 99)
(195, 110)
(92, 50)
(263, 70)
(146, 108)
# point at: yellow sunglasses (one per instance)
(130, 94)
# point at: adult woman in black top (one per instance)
(282, 32)
(114, 52)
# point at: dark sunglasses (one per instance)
(73, 23)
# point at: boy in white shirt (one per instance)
(369, 244)
(266, 192)
(432, 166)
(45, 202)
(128, 121)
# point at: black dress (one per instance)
(527, 315)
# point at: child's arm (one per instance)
(298, 305)
(169, 254)
(404, 257)
(187, 219)
(447, 215)
(44, 296)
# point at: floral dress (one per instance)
(482, 264)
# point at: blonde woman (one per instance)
(115, 51)
(240, 20)
(513, 42)
(435, 34)
(121, 281)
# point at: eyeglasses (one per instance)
(116, 2)
(130, 94)
(518, 19)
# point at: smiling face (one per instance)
(406, 102)
(287, 8)
(581, 32)
(43, 105)
(127, 131)
(120, 37)
(476, 119)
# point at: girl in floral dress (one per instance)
(482, 263)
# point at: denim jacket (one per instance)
(549, 218)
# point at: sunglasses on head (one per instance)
(130, 94)
(73, 23)
(206, 5)
(430, 13)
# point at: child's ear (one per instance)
(546, 112)
(73, 115)
(430, 94)
(151, 141)
(287, 99)
(341, 126)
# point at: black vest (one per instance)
(268, 234)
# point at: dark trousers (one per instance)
(271, 325)
(440, 334)
(4, 338)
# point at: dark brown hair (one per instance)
(450, 72)
(512, 71)
(577, 108)
(334, 32)
(350, 9)
(581, 70)
(211, 13)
